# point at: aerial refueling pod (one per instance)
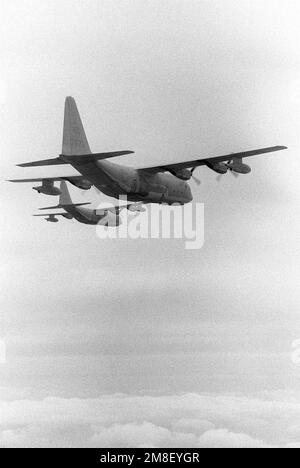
(48, 188)
(237, 165)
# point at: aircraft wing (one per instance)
(202, 161)
(72, 179)
(50, 214)
(116, 209)
(70, 205)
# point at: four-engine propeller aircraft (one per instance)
(158, 184)
(107, 216)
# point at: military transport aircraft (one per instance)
(106, 216)
(158, 184)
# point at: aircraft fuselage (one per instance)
(88, 216)
(115, 180)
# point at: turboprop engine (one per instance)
(48, 188)
(82, 184)
(220, 168)
(67, 215)
(52, 219)
(184, 174)
(235, 165)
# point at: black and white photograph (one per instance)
(150, 231)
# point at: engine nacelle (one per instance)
(48, 188)
(82, 184)
(184, 174)
(220, 168)
(136, 207)
(51, 219)
(67, 215)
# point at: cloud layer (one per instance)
(189, 420)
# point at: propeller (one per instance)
(195, 179)
(219, 177)
(235, 174)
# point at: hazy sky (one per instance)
(123, 342)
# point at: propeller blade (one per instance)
(235, 174)
(197, 181)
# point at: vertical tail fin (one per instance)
(64, 198)
(74, 138)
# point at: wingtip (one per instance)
(50, 208)
(123, 153)
(24, 165)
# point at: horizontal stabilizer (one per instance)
(43, 162)
(63, 206)
(85, 158)
(75, 159)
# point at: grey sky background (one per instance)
(123, 342)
